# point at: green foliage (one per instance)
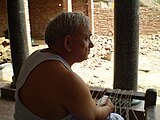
(158, 1)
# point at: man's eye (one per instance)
(87, 39)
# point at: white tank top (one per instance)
(37, 57)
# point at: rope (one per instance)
(121, 102)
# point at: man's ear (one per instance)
(67, 43)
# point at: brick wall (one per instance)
(149, 19)
(79, 5)
(41, 11)
(3, 17)
(103, 19)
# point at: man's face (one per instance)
(81, 44)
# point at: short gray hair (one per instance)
(65, 23)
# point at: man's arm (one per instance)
(78, 100)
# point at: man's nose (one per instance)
(91, 45)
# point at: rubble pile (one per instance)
(149, 43)
(103, 46)
(5, 52)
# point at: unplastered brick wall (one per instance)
(79, 5)
(41, 12)
(3, 17)
(149, 19)
(103, 19)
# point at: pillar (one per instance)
(18, 35)
(69, 5)
(126, 44)
(90, 13)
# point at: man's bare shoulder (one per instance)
(51, 69)
(59, 75)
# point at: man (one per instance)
(47, 88)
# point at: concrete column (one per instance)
(28, 28)
(126, 44)
(90, 10)
(18, 35)
(69, 5)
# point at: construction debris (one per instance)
(5, 52)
